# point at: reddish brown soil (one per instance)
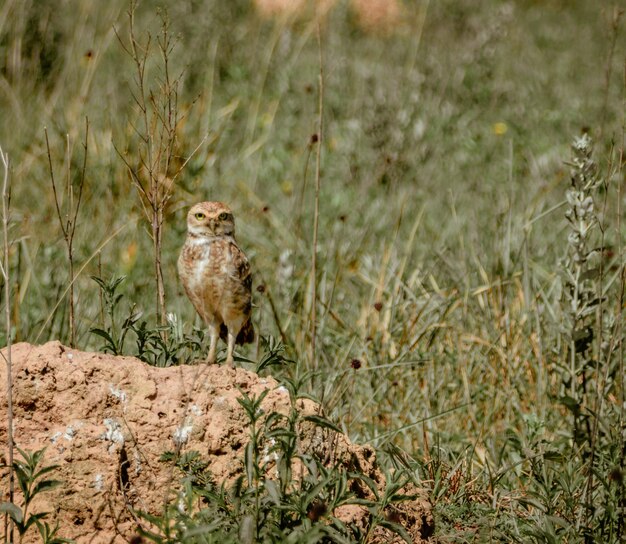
(106, 420)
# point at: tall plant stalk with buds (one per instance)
(581, 293)
(592, 371)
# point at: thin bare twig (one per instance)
(6, 198)
(80, 271)
(318, 159)
(602, 357)
(54, 187)
(156, 129)
(270, 299)
(82, 176)
(615, 27)
(298, 225)
(620, 309)
(69, 219)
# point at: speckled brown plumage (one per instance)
(216, 276)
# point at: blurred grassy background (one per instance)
(447, 127)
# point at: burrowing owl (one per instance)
(216, 276)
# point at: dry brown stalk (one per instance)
(155, 174)
(4, 270)
(68, 216)
(318, 160)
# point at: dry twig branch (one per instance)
(155, 173)
(318, 158)
(4, 270)
(69, 215)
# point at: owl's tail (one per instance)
(245, 336)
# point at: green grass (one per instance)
(442, 231)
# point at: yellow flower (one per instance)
(287, 187)
(129, 256)
(499, 128)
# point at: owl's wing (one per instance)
(243, 274)
(241, 266)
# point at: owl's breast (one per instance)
(197, 265)
(204, 270)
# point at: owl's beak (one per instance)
(212, 225)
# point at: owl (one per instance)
(216, 276)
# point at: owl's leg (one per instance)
(231, 346)
(214, 333)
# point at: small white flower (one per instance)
(181, 434)
(573, 238)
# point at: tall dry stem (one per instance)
(316, 213)
(4, 270)
(615, 28)
(67, 213)
(620, 312)
(155, 173)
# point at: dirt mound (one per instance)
(106, 420)
(371, 15)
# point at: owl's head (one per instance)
(211, 219)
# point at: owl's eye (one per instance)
(223, 216)
(199, 216)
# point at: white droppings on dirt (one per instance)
(69, 433)
(113, 434)
(98, 482)
(220, 401)
(119, 394)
